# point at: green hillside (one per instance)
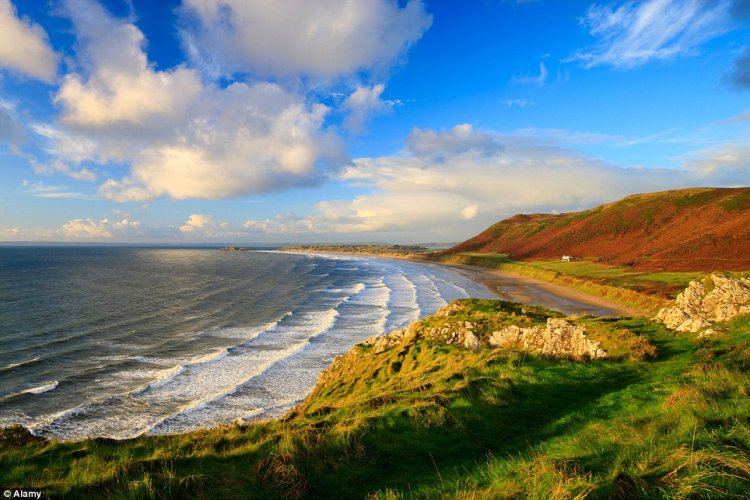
(699, 229)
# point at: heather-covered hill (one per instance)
(683, 230)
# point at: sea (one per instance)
(120, 341)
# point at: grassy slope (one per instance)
(425, 420)
(700, 229)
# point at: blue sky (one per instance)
(190, 121)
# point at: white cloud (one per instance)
(89, 229)
(461, 139)
(206, 227)
(246, 139)
(324, 38)
(72, 147)
(363, 103)
(520, 103)
(197, 222)
(121, 87)
(41, 190)
(178, 136)
(58, 166)
(470, 211)
(637, 32)
(536, 80)
(24, 46)
(729, 161)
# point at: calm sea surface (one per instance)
(116, 342)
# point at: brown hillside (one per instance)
(701, 229)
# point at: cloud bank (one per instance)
(454, 183)
(89, 229)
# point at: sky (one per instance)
(409, 121)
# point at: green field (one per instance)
(428, 420)
(589, 269)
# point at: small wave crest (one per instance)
(42, 388)
(20, 363)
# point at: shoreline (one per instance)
(519, 288)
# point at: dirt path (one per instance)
(519, 288)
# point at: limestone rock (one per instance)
(707, 332)
(380, 344)
(559, 339)
(471, 341)
(699, 305)
(506, 336)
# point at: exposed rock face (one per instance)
(386, 341)
(461, 333)
(701, 304)
(471, 341)
(559, 339)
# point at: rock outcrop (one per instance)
(560, 339)
(460, 333)
(384, 342)
(702, 303)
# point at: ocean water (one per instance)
(117, 342)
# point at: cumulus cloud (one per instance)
(89, 229)
(24, 46)
(197, 222)
(322, 39)
(247, 139)
(460, 140)
(178, 136)
(120, 87)
(451, 184)
(200, 226)
(363, 103)
(637, 32)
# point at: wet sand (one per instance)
(519, 288)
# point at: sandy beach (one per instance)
(519, 288)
